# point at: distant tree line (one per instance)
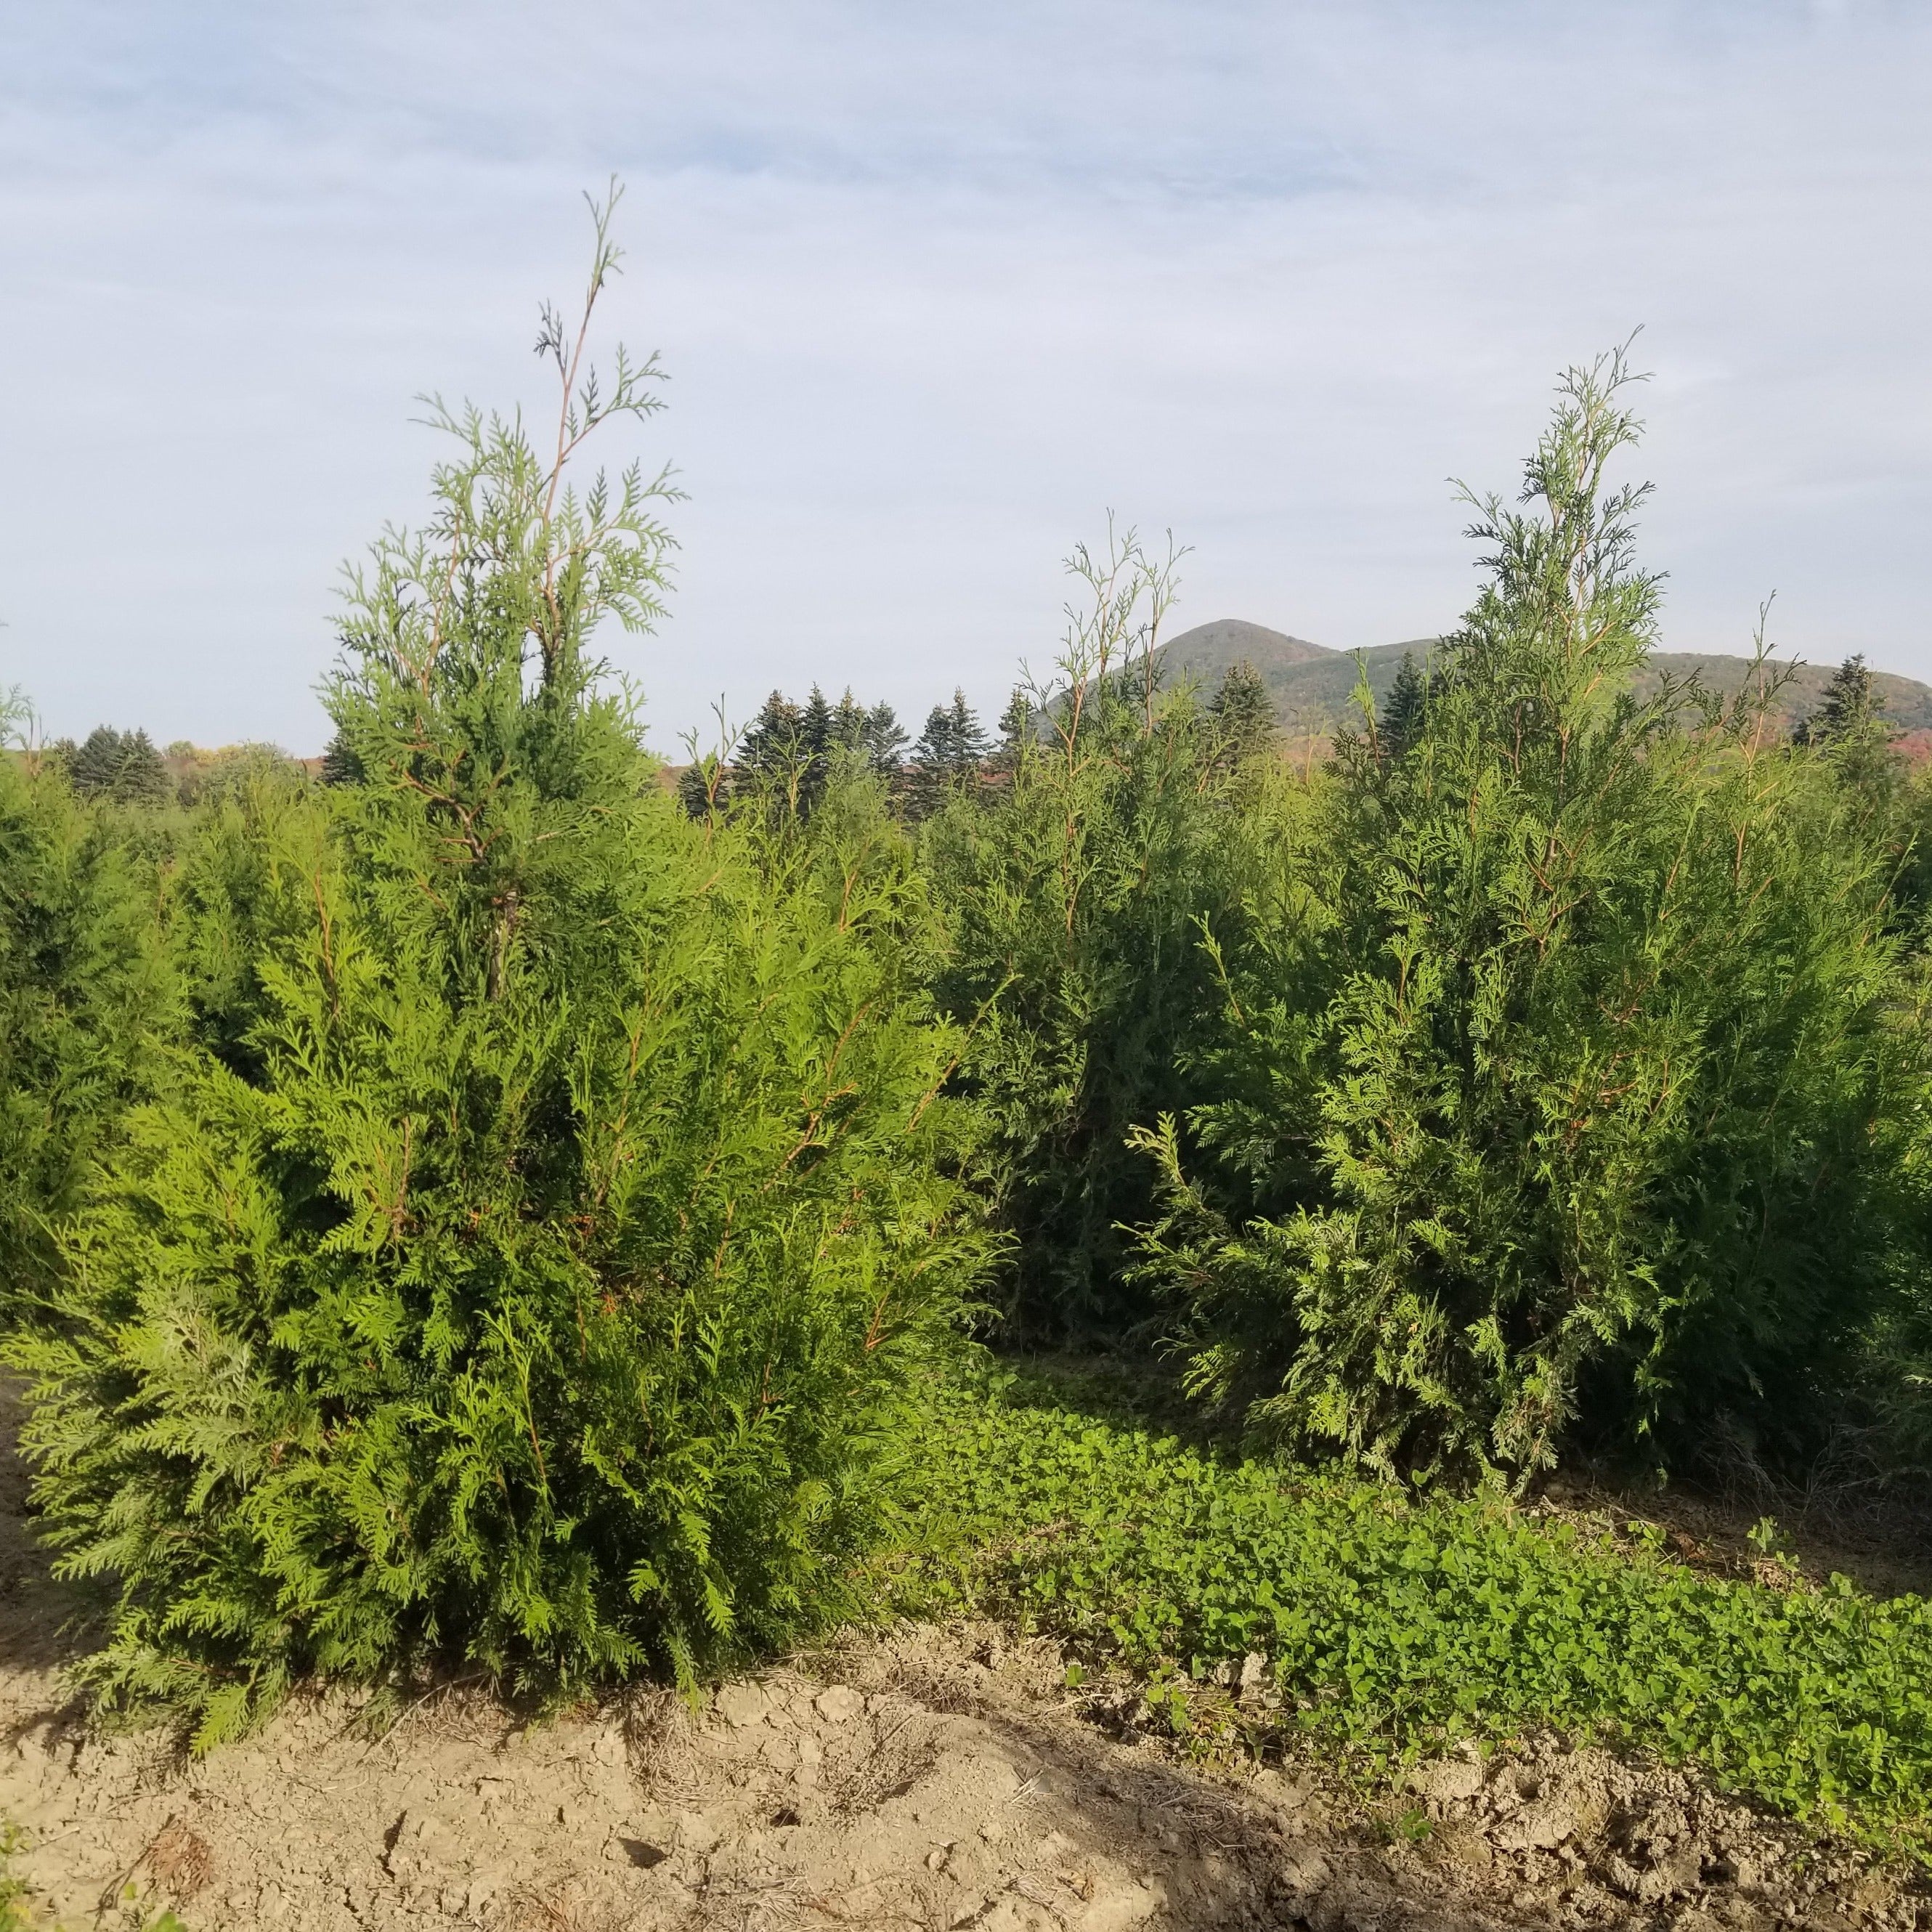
(791, 751)
(124, 766)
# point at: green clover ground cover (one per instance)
(1392, 1623)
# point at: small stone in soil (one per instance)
(839, 1704)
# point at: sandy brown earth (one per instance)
(929, 1777)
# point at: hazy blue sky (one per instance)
(938, 285)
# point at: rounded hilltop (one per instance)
(1312, 685)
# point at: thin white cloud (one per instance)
(936, 285)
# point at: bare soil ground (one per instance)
(941, 1778)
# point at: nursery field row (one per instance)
(1392, 1624)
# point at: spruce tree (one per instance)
(1404, 709)
(772, 740)
(885, 740)
(951, 751)
(1019, 728)
(970, 744)
(772, 757)
(1850, 706)
(848, 724)
(818, 739)
(703, 787)
(1849, 727)
(123, 765)
(791, 751)
(1243, 713)
(340, 765)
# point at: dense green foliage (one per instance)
(1392, 1624)
(121, 765)
(526, 1262)
(1077, 891)
(1242, 716)
(546, 1308)
(792, 753)
(1571, 1074)
(83, 987)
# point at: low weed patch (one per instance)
(1393, 1623)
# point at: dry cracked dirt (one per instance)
(940, 1777)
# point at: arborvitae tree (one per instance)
(209, 777)
(529, 1273)
(120, 765)
(1404, 709)
(1243, 713)
(87, 1013)
(1567, 1095)
(1075, 895)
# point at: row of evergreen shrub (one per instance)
(1546, 1069)
(488, 1208)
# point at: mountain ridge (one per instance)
(1312, 685)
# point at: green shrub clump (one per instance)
(526, 1264)
(86, 995)
(1570, 1064)
(1076, 884)
(1392, 1624)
